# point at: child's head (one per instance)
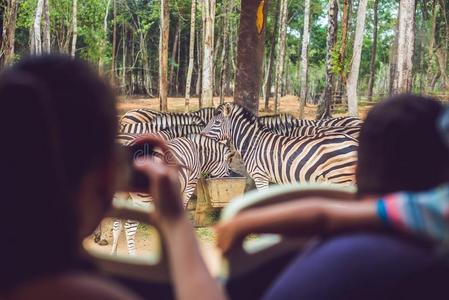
(401, 148)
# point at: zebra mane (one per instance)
(251, 117)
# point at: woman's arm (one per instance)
(304, 217)
(191, 277)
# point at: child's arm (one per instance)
(310, 216)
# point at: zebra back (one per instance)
(161, 122)
(205, 114)
(140, 115)
(339, 122)
(353, 131)
(279, 120)
(179, 131)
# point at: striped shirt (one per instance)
(425, 214)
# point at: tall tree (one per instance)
(272, 57)
(163, 54)
(191, 54)
(9, 32)
(280, 64)
(347, 5)
(250, 49)
(103, 42)
(75, 26)
(114, 41)
(173, 62)
(406, 41)
(356, 57)
(46, 44)
(35, 32)
(304, 59)
(223, 63)
(208, 13)
(324, 108)
(372, 68)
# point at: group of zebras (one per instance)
(274, 149)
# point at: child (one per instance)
(401, 149)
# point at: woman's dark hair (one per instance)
(59, 122)
(400, 147)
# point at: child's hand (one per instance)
(227, 235)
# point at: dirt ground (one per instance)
(146, 236)
(289, 104)
(146, 241)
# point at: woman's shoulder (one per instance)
(73, 285)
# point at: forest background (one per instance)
(332, 52)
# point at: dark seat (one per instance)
(364, 266)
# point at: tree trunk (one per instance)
(191, 54)
(104, 39)
(75, 26)
(208, 13)
(280, 64)
(46, 39)
(268, 83)
(393, 61)
(124, 48)
(173, 57)
(347, 4)
(35, 33)
(324, 108)
(250, 50)
(356, 57)
(304, 59)
(406, 39)
(163, 54)
(9, 32)
(199, 58)
(114, 42)
(372, 67)
(223, 71)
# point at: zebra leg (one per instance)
(261, 183)
(97, 234)
(130, 230)
(116, 231)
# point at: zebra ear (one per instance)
(227, 110)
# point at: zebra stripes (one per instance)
(165, 134)
(146, 115)
(279, 120)
(286, 120)
(200, 155)
(270, 157)
(159, 123)
(352, 131)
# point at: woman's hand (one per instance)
(164, 189)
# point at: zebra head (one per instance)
(219, 127)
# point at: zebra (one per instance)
(161, 122)
(146, 115)
(279, 120)
(165, 134)
(206, 114)
(286, 120)
(339, 122)
(270, 157)
(140, 115)
(199, 155)
(352, 131)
